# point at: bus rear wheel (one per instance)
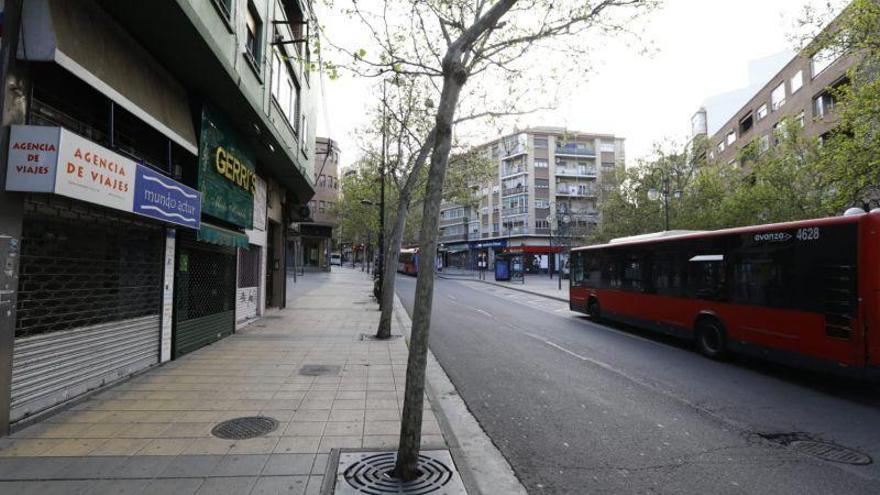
(711, 340)
(593, 310)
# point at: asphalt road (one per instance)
(580, 408)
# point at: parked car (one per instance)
(335, 259)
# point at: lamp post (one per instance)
(654, 194)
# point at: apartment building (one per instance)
(316, 237)
(545, 191)
(801, 91)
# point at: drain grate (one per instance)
(370, 473)
(830, 452)
(245, 428)
(319, 370)
(827, 451)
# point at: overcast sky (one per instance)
(702, 48)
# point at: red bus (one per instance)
(408, 261)
(805, 292)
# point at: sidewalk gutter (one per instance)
(482, 467)
(520, 289)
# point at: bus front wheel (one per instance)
(593, 309)
(711, 340)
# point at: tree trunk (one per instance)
(393, 249)
(411, 425)
(392, 254)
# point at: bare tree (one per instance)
(449, 43)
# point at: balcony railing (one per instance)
(513, 190)
(508, 171)
(574, 172)
(515, 211)
(574, 191)
(576, 150)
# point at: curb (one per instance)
(505, 286)
(482, 467)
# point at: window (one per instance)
(822, 59)
(254, 36)
(731, 137)
(542, 224)
(542, 203)
(322, 206)
(225, 8)
(541, 163)
(541, 142)
(764, 143)
(607, 147)
(542, 183)
(799, 120)
(285, 90)
(762, 111)
(823, 104)
(797, 81)
(745, 124)
(721, 147)
(777, 97)
(304, 134)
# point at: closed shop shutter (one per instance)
(204, 294)
(88, 303)
(247, 294)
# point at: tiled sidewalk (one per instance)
(152, 433)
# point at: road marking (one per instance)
(596, 362)
(450, 297)
(484, 312)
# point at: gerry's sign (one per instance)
(227, 177)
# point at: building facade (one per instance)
(544, 194)
(800, 91)
(149, 178)
(316, 237)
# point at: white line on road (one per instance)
(596, 362)
(450, 297)
(484, 312)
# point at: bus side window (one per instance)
(592, 270)
(577, 269)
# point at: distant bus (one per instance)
(806, 292)
(408, 262)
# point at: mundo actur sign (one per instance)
(55, 160)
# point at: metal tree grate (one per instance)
(245, 428)
(370, 474)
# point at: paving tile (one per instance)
(66, 487)
(208, 445)
(281, 485)
(320, 464)
(382, 427)
(288, 464)
(102, 430)
(346, 415)
(144, 430)
(118, 487)
(188, 430)
(352, 428)
(381, 441)
(341, 442)
(27, 447)
(305, 428)
(191, 466)
(314, 404)
(141, 467)
(241, 465)
(88, 467)
(262, 445)
(75, 447)
(231, 486)
(312, 415)
(166, 446)
(176, 486)
(120, 446)
(297, 445)
(314, 485)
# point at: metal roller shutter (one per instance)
(88, 305)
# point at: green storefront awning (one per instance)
(223, 237)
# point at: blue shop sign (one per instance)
(494, 244)
(160, 197)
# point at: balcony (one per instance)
(575, 192)
(521, 210)
(511, 171)
(576, 172)
(514, 190)
(575, 149)
(452, 238)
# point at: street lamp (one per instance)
(654, 194)
(377, 289)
